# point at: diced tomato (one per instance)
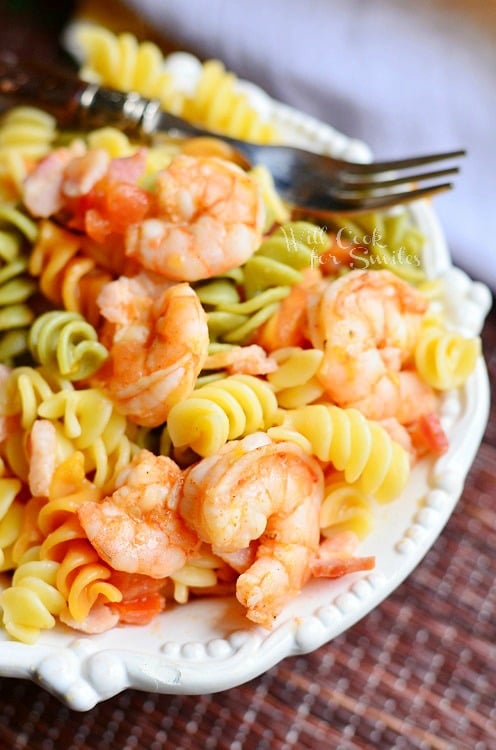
(125, 204)
(428, 435)
(139, 611)
(338, 567)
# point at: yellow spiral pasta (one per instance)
(218, 104)
(82, 577)
(85, 420)
(199, 573)
(345, 507)
(355, 445)
(121, 62)
(11, 513)
(444, 358)
(32, 602)
(65, 342)
(88, 419)
(26, 135)
(224, 410)
(294, 381)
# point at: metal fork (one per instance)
(307, 180)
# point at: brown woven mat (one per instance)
(418, 672)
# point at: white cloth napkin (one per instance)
(408, 78)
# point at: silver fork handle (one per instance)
(77, 103)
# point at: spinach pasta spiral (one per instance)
(240, 302)
(67, 343)
(16, 285)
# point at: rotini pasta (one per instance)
(222, 411)
(359, 447)
(294, 381)
(218, 104)
(81, 577)
(26, 134)
(345, 507)
(32, 602)
(65, 342)
(121, 62)
(443, 358)
(67, 277)
(239, 306)
(11, 512)
(382, 240)
(16, 286)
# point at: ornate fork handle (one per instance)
(73, 101)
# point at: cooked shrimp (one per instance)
(157, 337)
(42, 456)
(255, 489)
(251, 360)
(137, 529)
(210, 219)
(367, 324)
(42, 192)
(100, 619)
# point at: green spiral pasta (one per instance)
(382, 240)
(238, 304)
(443, 358)
(11, 513)
(16, 285)
(355, 445)
(32, 602)
(224, 410)
(66, 342)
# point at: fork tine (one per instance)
(342, 204)
(387, 166)
(364, 182)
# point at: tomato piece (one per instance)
(338, 567)
(139, 611)
(428, 435)
(125, 204)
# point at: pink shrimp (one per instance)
(157, 335)
(255, 489)
(137, 529)
(209, 219)
(367, 324)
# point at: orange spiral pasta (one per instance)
(81, 576)
(67, 277)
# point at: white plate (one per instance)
(208, 645)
